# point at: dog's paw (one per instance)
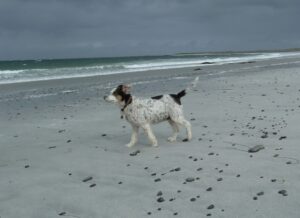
(172, 139)
(129, 145)
(155, 145)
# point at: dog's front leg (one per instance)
(150, 134)
(134, 136)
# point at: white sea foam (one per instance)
(26, 75)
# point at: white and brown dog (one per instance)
(142, 112)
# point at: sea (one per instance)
(16, 71)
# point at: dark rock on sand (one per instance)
(92, 185)
(197, 69)
(87, 179)
(190, 179)
(260, 193)
(135, 153)
(160, 200)
(209, 189)
(283, 192)
(282, 137)
(211, 207)
(193, 199)
(62, 213)
(26, 166)
(159, 193)
(256, 148)
(157, 180)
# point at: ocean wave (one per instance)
(124, 66)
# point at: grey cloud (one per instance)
(75, 28)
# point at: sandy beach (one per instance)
(63, 154)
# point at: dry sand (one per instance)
(62, 150)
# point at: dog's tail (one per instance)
(182, 93)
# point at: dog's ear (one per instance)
(126, 88)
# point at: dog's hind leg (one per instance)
(134, 136)
(150, 134)
(187, 125)
(175, 131)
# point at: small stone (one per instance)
(177, 169)
(211, 153)
(283, 192)
(153, 174)
(193, 199)
(238, 175)
(69, 141)
(87, 179)
(190, 179)
(120, 183)
(260, 193)
(103, 135)
(209, 214)
(211, 207)
(273, 180)
(149, 213)
(92, 185)
(26, 166)
(62, 213)
(219, 179)
(159, 209)
(199, 169)
(256, 148)
(135, 153)
(209, 189)
(255, 198)
(282, 137)
(159, 193)
(175, 214)
(157, 180)
(289, 162)
(160, 200)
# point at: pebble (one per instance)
(211, 153)
(283, 192)
(256, 148)
(219, 179)
(193, 199)
(289, 162)
(190, 179)
(199, 169)
(135, 153)
(159, 193)
(260, 193)
(26, 166)
(92, 185)
(282, 137)
(69, 141)
(160, 200)
(209, 189)
(62, 213)
(211, 207)
(87, 179)
(51, 147)
(157, 180)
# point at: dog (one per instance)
(142, 112)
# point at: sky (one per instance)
(36, 29)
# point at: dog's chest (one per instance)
(147, 110)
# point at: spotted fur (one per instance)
(142, 112)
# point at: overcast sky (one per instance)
(98, 28)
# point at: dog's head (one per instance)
(120, 95)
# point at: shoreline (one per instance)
(175, 72)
